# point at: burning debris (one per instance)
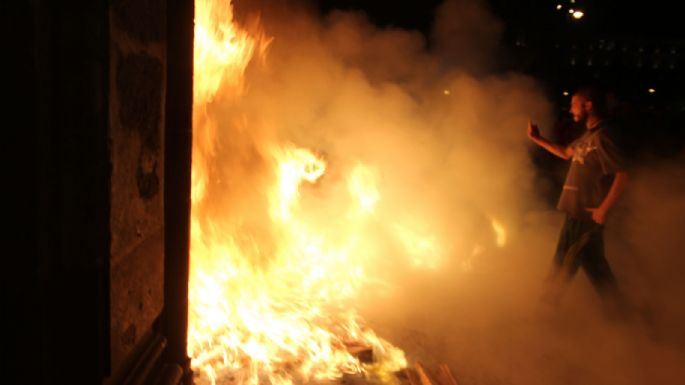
(419, 375)
(285, 238)
(270, 286)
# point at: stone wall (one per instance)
(137, 99)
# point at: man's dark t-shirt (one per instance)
(595, 161)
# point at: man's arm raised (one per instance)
(562, 152)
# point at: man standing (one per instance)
(594, 182)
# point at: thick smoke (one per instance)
(446, 138)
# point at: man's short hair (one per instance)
(595, 95)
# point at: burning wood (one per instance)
(445, 376)
(275, 269)
(419, 375)
(267, 293)
(364, 353)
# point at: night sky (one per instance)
(644, 32)
(654, 19)
(634, 50)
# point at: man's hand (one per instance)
(599, 215)
(562, 152)
(533, 132)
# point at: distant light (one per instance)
(559, 7)
(573, 1)
(446, 92)
(578, 15)
(651, 90)
(571, 10)
(565, 93)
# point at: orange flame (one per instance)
(270, 297)
(222, 51)
(270, 305)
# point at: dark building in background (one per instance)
(636, 52)
(630, 49)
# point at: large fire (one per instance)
(272, 296)
(270, 305)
